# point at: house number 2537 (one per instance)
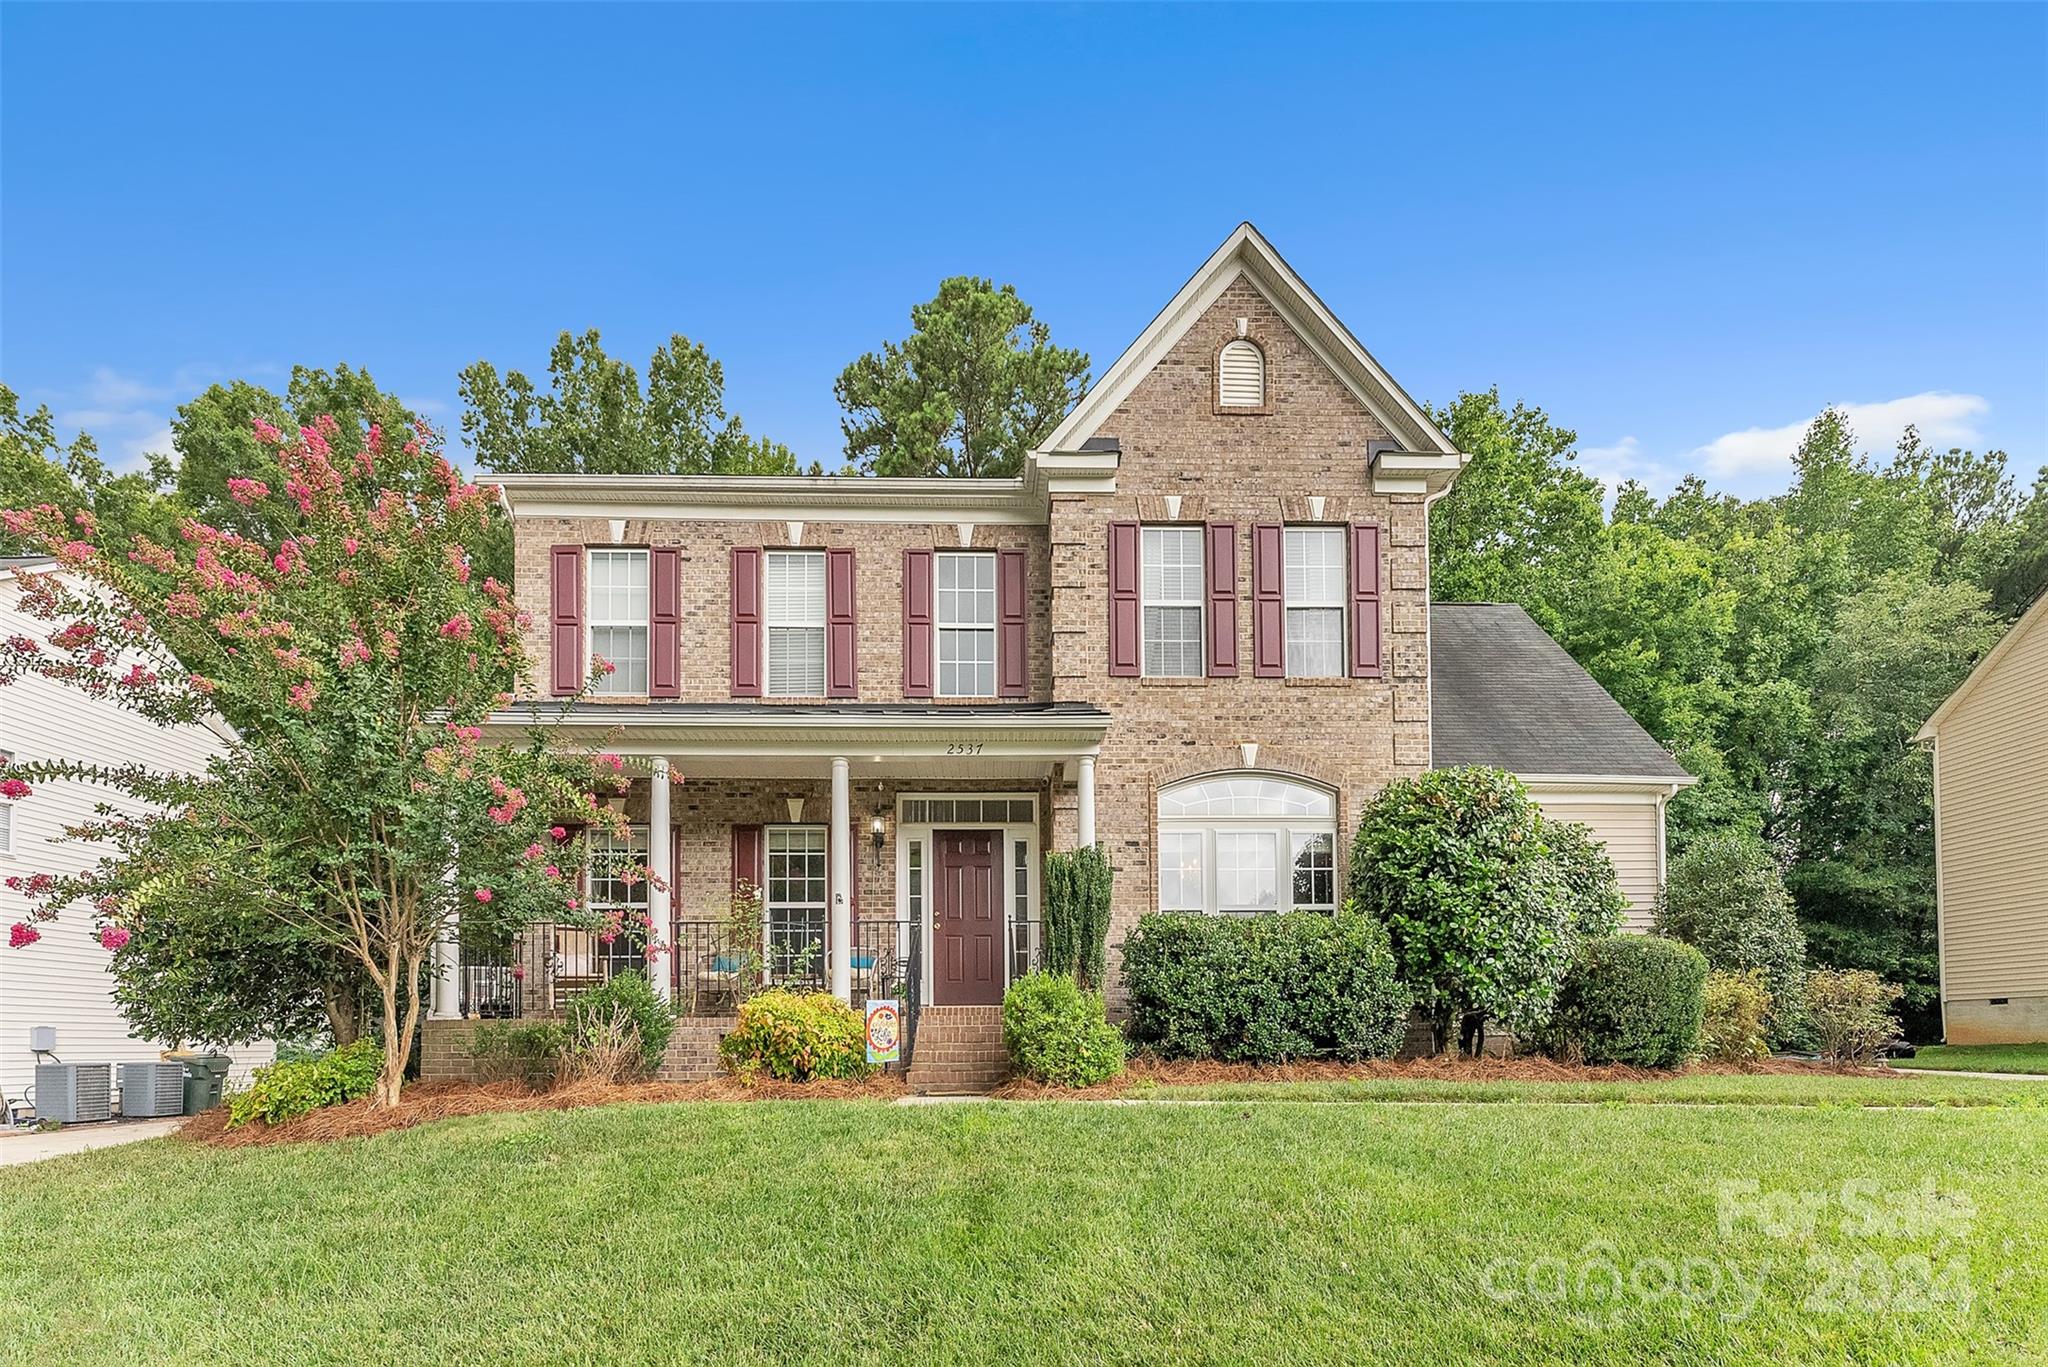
(965, 747)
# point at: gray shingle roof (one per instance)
(1504, 694)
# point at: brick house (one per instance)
(1196, 629)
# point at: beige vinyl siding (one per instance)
(1991, 803)
(1627, 825)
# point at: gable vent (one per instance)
(1241, 376)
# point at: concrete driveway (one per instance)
(34, 1146)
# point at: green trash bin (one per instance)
(206, 1077)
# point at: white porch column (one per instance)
(1084, 806)
(661, 846)
(445, 1003)
(841, 844)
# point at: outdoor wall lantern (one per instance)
(875, 830)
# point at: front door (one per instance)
(967, 936)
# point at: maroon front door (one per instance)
(967, 933)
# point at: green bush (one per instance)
(1634, 999)
(532, 1052)
(1850, 1009)
(1591, 887)
(623, 1000)
(1725, 897)
(1056, 1033)
(796, 1036)
(1735, 1028)
(1264, 988)
(1077, 891)
(281, 1091)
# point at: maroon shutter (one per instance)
(1269, 603)
(565, 620)
(664, 623)
(746, 621)
(1365, 600)
(917, 624)
(1124, 653)
(1013, 679)
(1222, 566)
(748, 845)
(842, 671)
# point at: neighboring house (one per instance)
(63, 979)
(1196, 629)
(1990, 746)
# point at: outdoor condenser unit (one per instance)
(152, 1089)
(72, 1092)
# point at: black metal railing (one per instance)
(1027, 947)
(717, 964)
(488, 984)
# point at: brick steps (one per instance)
(959, 1050)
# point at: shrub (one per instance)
(1590, 886)
(1634, 999)
(281, 1091)
(1077, 889)
(796, 1036)
(1738, 1007)
(1725, 897)
(619, 1029)
(532, 1052)
(1056, 1033)
(1264, 988)
(1850, 1009)
(1479, 914)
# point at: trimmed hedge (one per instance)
(796, 1036)
(1056, 1033)
(1635, 999)
(1259, 989)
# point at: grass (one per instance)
(859, 1231)
(1740, 1089)
(1981, 1058)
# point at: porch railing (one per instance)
(488, 985)
(717, 964)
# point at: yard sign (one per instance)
(884, 1030)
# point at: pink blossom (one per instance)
(22, 933)
(483, 894)
(518, 973)
(559, 832)
(113, 937)
(354, 651)
(612, 762)
(552, 871)
(458, 627)
(351, 544)
(302, 696)
(183, 604)
(13, 789)
(265, 432)
(137, 677)
(248, 491)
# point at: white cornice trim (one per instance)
(771, 498)
(2028, 620)
(1553, 784)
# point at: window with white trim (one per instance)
(1170, 601)
(794, 901)
(1241, 375)
(618, 617)
(795, 617)
(1247, 843)
(964, 616)
(6, 808)
(1314, 584)
(615, 885)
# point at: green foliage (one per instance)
(1850, 1010)
(1077, 892)
(625, 1000)
(596, 419)
(1590, 884)
(1734, 1026)
(532, 1052)
(1724, 896)
(1634, 999)
(1453, 863)
(1056, 1033)
(281, 1091)
(1264, 989)
(795, 1037)
(36, 468)
(976, 385)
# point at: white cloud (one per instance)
(137, 450)
(108, 388)
(1943, 418)
(1624, 460)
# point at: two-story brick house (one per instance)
(1196, 629)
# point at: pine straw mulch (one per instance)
(422, 1102)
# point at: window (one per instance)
(1223, 842)
(1241, 375)
(795, 618)
(1170, 594)
(795, 901)
(6, 809)
(1315, 602)
(964, 614)
(617, 886)
(618, 618)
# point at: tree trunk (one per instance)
(344, 1012)
(1472, 1034)
(392, 1080)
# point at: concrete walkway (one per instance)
(36, 1146)
(1958, 1072)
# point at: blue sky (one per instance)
(1680, 230)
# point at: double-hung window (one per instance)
(964, 615)
(1170, 596)
(617, 893)
(794, 901)
(1315, 602)
(795, 603)
(6, 809)
(618, 618)
(1243, 842)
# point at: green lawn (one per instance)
(861, 1231)
(1981, 1058)
(1745, 1089)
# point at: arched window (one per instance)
(1246, 843)
(1241, 375)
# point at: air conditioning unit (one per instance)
(152, 1089)
(74, 1092)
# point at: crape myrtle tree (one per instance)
(353, 660)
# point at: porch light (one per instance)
(875, 830)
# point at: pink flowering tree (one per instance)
(355, 660)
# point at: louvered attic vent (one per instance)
(1241, 376)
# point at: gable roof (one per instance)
(2029, 619)
(1247, 254)
(1502, 693)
